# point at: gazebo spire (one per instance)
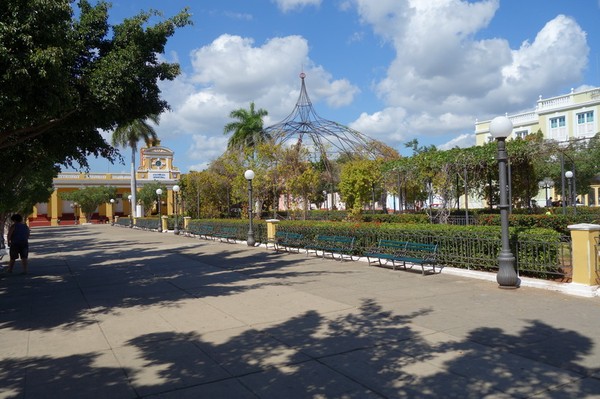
(325, 136)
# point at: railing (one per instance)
(148, 223)
(555, 102)
(123, 221)
(544, 259)
(462, 220)
(96, 176)
(241, 229)
(524, 118)
(534, 258)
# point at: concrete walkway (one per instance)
(111, 312)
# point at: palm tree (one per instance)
(247, 130)
(129, 135)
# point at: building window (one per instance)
(558, 128)
(521, 134)
(585, 124)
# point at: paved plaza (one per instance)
(112, 312)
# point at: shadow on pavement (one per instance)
(357, 353)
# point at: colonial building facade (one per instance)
(156, 164)
(561, 118)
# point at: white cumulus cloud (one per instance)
(232, 71)
(290, 5)
(443, 76)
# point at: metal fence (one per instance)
(549, 260)
(545, 259)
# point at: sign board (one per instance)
(159, 176)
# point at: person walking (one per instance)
(18, 241)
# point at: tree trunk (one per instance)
(133, 183)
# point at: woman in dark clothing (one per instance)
(18, 241)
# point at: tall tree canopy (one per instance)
(247, 129)
(128, 136)
(64, 77)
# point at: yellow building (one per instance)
(573, 115)
(156, 164)
(561, 118)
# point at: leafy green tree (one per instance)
(191, 186)
(356, 183)
(147, 195)
(65, 78)
(247, 129)
(24, 183)
(129, 135)
(304, 184)
(579, 156)
(89, 198)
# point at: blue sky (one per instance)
(393, 69)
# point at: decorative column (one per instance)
(53, 208)
(272, 231)
(584, 238)
(500, 128)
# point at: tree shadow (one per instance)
(365, 352)
(362, 352)
(74, 278)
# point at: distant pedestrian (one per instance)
(18, 241)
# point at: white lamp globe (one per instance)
(158, 191)
(176, 188)
(568, 174)
(501, 127)
(249, 174)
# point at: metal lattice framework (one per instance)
(321, 136)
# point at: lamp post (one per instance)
(500, 128)
(74, 205)
(571, 196)
(372, 197)
(546, 184)
(249, 175)
(158, 194)
(176, 189)
(130, 212)
(112, 211)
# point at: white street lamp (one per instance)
(75, 205)
(571, 196)
(546, 184)
(249, 175)
(158, 194)
(112, 211)
(500, 128)
(130, 212)
(176, 189)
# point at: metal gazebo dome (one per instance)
(327, 138)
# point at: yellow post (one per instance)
(186, 222)
(163, 223)
(271, 231)
(53, 208)
(110, 211)
(584, 238)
